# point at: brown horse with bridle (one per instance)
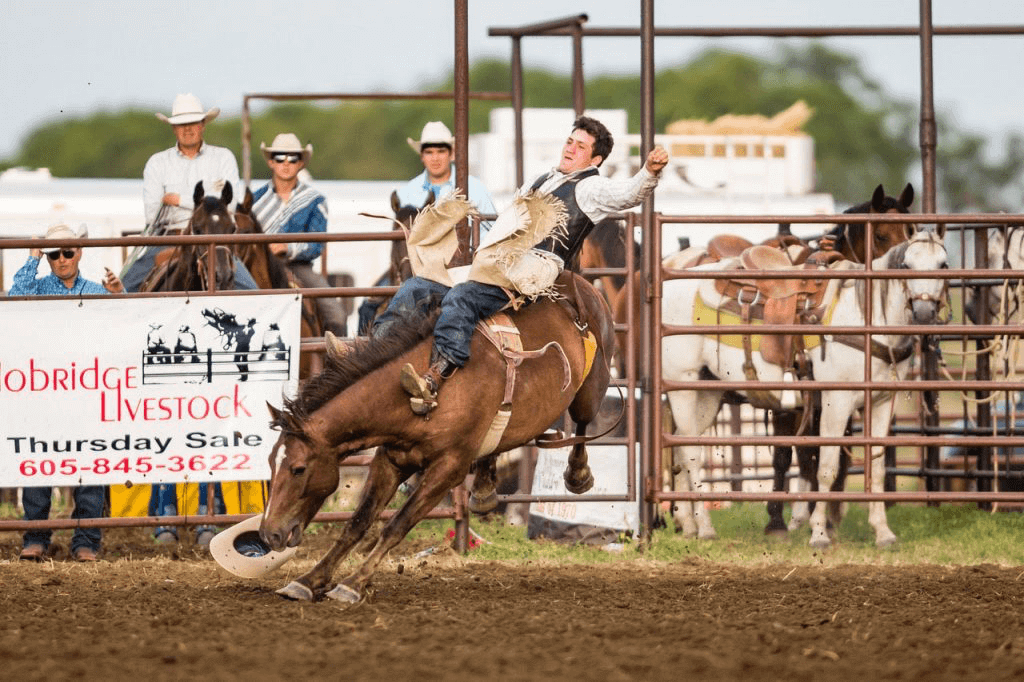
(187, 267)
(357, 403)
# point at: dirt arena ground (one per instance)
(156, 614)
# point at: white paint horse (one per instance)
(894, 302)
(1005, 252)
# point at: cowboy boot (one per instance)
(423, 389)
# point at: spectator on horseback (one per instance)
(168, 184)
(287, 205)
(436, 149)
(587, 199)
(64, 280)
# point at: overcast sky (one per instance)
(60, 59)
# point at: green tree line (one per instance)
(863, 135)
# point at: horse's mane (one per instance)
(892, 259)
(365, 354)
(277, 270)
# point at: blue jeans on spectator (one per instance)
(89, 503)
(163, 501)
(415, 297)
(136, 273)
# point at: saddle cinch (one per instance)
(799, 300)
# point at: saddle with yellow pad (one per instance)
(800, 299)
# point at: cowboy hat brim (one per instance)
(307, 152)
(223, 548)
(192, 117)
(417, 146)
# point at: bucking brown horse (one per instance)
(357, 403)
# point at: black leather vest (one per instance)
(578, 225)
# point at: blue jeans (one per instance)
(462, 307)
(136, 272)
(415, 297)
(89, 503)
(163, 501)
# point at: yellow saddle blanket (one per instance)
(706, 315)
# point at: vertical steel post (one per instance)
(459, 496)
(651, 382)
(578, 94)
(461, 93)
(929, 346)
(517, 105)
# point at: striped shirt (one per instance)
(305, 211)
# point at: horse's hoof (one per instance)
(776, 534)
(887, 543)
(578, 482)
(707, 535)
(820, 544)
(484, 504)
(296, 591)
(345, 594)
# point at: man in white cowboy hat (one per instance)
(169, 180)
(286, 205)
(64, 280)
(436, 149)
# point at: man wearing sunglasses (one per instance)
(64, 280)
(287, 205)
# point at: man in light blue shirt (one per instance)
(64, 280)
(436, 150)
(435, 147)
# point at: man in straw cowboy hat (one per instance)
(64, 280)
(436, 149)
(543, 230)
(287, 205)
(169, 180)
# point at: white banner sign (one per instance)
(609, 465)
(143, 390)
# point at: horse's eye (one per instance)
(298, 471)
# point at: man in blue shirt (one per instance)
(288, 205)
(435, 147)
(64, 280)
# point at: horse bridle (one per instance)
(925, 297)
(202, 261)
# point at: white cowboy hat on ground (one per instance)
(240, 551)
(187, 109)
(287, 143)
(434, 132)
